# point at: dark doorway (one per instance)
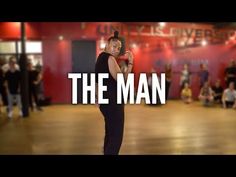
(83, 61)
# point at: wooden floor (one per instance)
(174, 128)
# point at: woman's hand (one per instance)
(130, 56)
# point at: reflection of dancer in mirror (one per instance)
(229, 96)
(186, 94)
(34, 79)
(185, 76)
(168, 72)
(113, 113)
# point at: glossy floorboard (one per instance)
(174, 128)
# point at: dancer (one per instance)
(113, 113)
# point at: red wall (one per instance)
(57, 55)
(11, 30)
(57, 63)
(58, 58)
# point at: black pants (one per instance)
(167, 89)
(33, 93)
(4, 95)
(114, 127)
(229, 104)
(218, 99)
(158, 102)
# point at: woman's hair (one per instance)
(12, 59)
(115, 37)
(168, 66)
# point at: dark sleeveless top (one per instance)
(102, 67)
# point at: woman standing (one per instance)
(113, 113)
(168, 72)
